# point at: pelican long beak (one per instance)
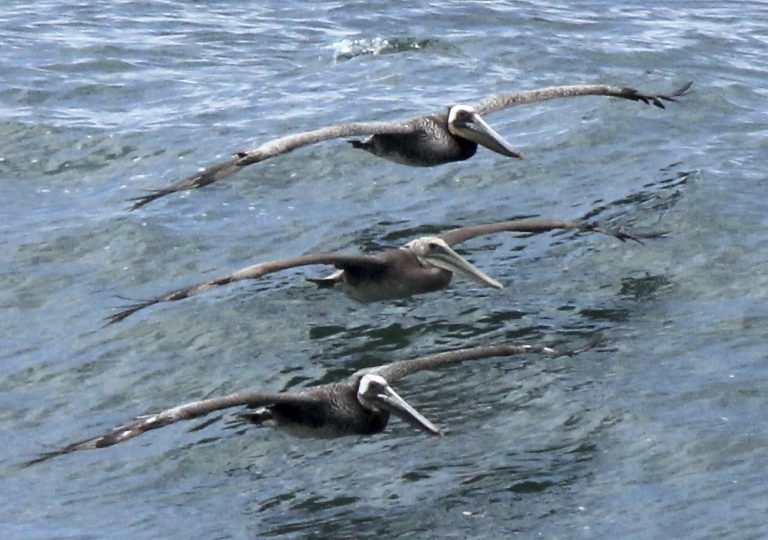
(476, 129)
(389, 400)
(447, 259)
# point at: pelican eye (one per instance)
(463, 115)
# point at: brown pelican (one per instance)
(426, 140)
(359, 405)
(423, 265)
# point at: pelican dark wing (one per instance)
(358, 264)
(187, 411)
(274, 148)
(504, 101)
(534, 225)
(398, 370)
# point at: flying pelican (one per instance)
(422, 265)
(359, 405)
(428, 140)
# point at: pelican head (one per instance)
(375, 394)
(464, 122)
(434, 251)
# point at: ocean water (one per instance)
(660, 432)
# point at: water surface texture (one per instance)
(658, 433)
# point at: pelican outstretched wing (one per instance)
(368, 263)
(274, 148)
(187, 411)
(398, 370)
(504, 101)
(535, 225)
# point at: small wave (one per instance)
(347, 49)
